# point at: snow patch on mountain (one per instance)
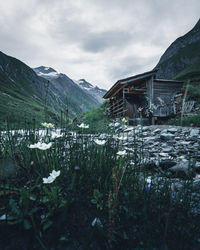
(89, 88)
(46, 72)
(51, 74)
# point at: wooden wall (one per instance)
(163, 97)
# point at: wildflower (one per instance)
(41, 146)
(173, 191)
(55, 135)
(53, 175)
(3, 217)
(140, 109)
(100, 142)
(97, 222)
(124, 120)
(122, 153)
(148, 180)
(47, 125)
(48, 180)
(82, 125)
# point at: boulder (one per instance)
(167, 136)
(182, 169)
(194, 132)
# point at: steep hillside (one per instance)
(181, 60)
(78, 101)
(25, 96)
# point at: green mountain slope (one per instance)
(182, 59)
(25, 96)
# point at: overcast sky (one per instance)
(99, 40)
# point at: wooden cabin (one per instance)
(143, 96)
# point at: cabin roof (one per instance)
(133, 79)
(120, 84)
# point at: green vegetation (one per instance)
(80, 192)
(191, 72)
(97, 119)
(20, 104)
(188, 121)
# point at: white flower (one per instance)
(55, 135)
(82, 125)
(124, 120)
(47, 125)
(100, 142)
(3, 217)
(148, 180)
(97, 222)
(41, 146)
(122, 153)
(54, 174)
(48, 180)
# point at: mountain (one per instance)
(25, 96)
(23, 93)
(182, 59)
(77, 99)
(93, 91)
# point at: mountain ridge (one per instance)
(25, 96)
(52, 75)
(182, 53)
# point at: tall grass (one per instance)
(100, 200)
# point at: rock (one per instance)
(172, 130)
(163, 154)
(156, 131)
(197, 167)
(150, 139)
(167, 136)
(184, 142)
(167, 149)
(182, 169)
(194, 132)
(150, 164)
(165, 164)
(128, 129)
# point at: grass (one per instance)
(99, 201)
(97, 119)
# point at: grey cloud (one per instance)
(99, 35)
(97, 42)
(130, 66)
(81, 34)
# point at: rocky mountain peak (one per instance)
(183, 52)
(83, 83)
(46, 72)
(44, 69)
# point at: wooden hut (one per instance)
(143, 96)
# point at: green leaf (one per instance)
(94, 201)
(97, 195)
(27, 224)
(47, 225)
(14, 207)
